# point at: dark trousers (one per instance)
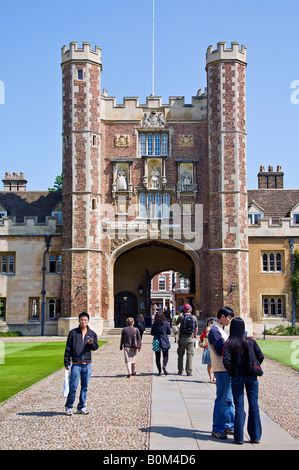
(254, 423)
(158, 359)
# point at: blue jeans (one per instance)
(223, 415)
(78, 371)
(254, 426)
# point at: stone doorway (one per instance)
(126, 305)
(134, 266)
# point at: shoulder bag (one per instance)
(136, 344)
(254, 367)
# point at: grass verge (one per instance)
(286, 352)
(24, 364)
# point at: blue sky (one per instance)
(32, 33)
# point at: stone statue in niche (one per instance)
(186, 178)
(153, 119)
(155, 178)
(122, 180)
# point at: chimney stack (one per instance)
(270, 179)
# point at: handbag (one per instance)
(66, 386)
(254, 367)
(136, 344)
(203, 343)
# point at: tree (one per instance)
(57, 184)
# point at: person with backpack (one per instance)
(188, 331)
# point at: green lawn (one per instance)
(26, 363)
(283, 351)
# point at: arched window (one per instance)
(150, 145)
(80, 74)
(59, 264)
(11, 264)
(279, 306)
(266, 306)
(273, 307)
(157, 144)
(164, 145)
(52, 309)
(4, 264)
(265, 262)
(150, 206)
(278, 262)
(166, 206)
(142, 144)
(272, 262)
(52, 264)
(142, 206)
(158, 206)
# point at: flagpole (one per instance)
(153, 63)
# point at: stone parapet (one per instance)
(30, 226)
(222, 53)
(265, 228)
(84, 54)
(176, 109)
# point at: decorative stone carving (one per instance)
(155, 178)
(122, 141)
(121, 179)
(186, 140)
(186, 183)
(121, 183)
(154, 173)
(186, 180)
(153, 119)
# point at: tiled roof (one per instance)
(276, 203)
(29, 203)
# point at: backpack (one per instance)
(188, 324)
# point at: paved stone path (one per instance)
(145, 412)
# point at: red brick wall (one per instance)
(81, 186)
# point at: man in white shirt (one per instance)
(224, 414)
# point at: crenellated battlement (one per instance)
(30, 226)
(266, 228)
(222, 53)
(74, 53)
(176, 108)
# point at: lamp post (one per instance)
(48, 242)
(291, 243)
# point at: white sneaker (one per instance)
(68, 411)
(83, 411)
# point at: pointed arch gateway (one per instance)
(131, 268)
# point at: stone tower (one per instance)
(81, 76)
(228, 237)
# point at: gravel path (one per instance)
(120, 408)
(278, 395)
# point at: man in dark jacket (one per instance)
(80, 342)
(188, 331)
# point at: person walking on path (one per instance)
(206, 357)
(223, 414)
(175, 327)
(236, 360)
(131, 343)
(160, 331)
(140, 324)
(80, 342)
(188, 331)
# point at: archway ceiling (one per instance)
(155, 257)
